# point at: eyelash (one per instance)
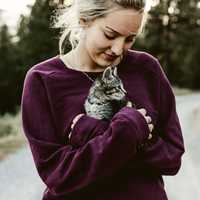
(111, 38)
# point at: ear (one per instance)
(115, 71)
(85, 23)
(107, 73)
(82, 22)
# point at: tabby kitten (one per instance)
(106, 95)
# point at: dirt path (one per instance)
(19, 179)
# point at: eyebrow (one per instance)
(132, 34)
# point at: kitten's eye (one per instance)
(111, 91)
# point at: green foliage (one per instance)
(172, 35)
(8, 71)
(35, 41)
(10, 124)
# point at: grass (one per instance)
(11, 135)
(10, 144)
(182, 91)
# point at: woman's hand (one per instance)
(142, 111)
(148, 120)
(75, 120)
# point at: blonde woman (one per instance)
(81, 157)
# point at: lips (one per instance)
(110, 57)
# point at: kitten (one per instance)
(106, 96)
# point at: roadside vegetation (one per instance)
(11, 134)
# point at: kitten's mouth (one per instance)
(119, 96)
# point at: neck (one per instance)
(83, 60)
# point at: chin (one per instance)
(105, 63)
(101, 62)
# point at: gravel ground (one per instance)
(20, 181)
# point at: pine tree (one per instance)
(36, 38)
(7, 71)
(172, 35)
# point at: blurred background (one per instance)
(172, 34)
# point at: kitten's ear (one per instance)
(115, 71)
(107, 73)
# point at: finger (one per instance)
(151, 127)
(143, 111)
(148, 119)
(77, 118)
(129, 104)
(72, 126)
(150, 136)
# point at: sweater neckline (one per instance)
(69, 69)
(66, 67)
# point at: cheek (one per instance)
(96, 43)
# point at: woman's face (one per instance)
(107, 39)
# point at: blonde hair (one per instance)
(67, 19)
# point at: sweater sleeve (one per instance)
(163, 156)
(85, 129)
(65, 169)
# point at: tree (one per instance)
(172, 35)
(37, 40)
(7, 71)
(34, 42)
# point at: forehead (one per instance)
(124, 21)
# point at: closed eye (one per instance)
(130, 39)
(111, 91)
(109, 37)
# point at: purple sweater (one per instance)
(102, 159)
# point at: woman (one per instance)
(101, 160)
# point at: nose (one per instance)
(118, 47)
